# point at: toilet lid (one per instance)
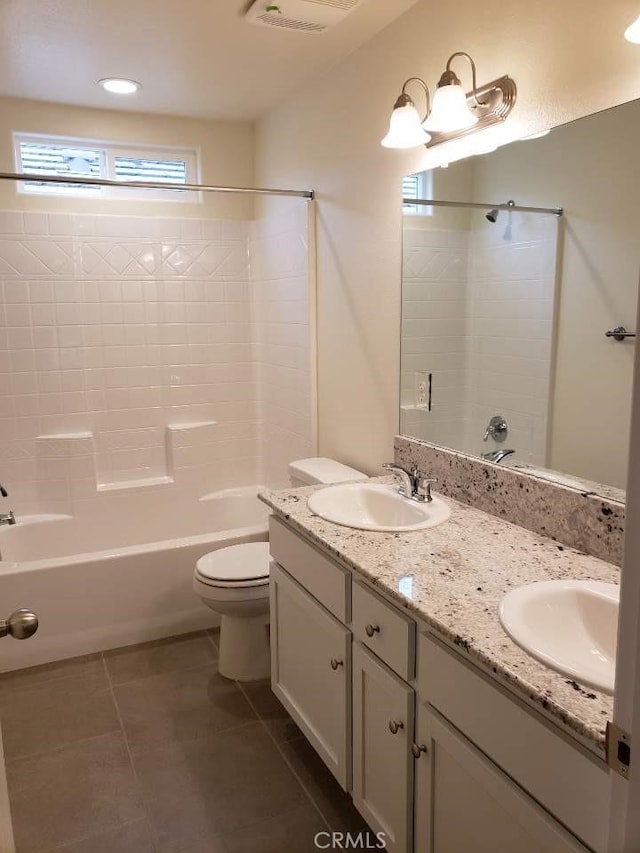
(235, 564)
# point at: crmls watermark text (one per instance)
(349, 841)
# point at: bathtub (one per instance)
(115, 577)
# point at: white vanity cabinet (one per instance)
(437, 755)
(382, 738)
(465, 803)
(311, 671)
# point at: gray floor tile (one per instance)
(176, 653)
(179, 706)
(269, 708)
(85, 665)
(198, 790)
(132, 838)
(84, 789)
(335, 805)
(52, 714)
(293, 832)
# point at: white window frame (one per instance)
(425, 190)
(109, 151)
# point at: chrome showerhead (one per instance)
(493, 214)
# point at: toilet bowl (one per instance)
(234, 582)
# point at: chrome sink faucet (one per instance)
(6, 517)
(413, 485)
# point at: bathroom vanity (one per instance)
(388, 653)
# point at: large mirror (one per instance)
(505, 313)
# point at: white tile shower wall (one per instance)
(279, 267)
(434, 333)
(512, 271)
(112, 328)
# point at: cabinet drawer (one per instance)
(385, 630)
(325, 580)
(561, 776)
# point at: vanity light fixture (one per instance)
(632, 33)
(455, 113)
(406, 128)
(119, 85)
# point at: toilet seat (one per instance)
(237, 566)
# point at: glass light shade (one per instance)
(405, 129)
(632, 33)
(450, 111)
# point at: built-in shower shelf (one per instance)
(122, 485)
(191, 425)
(66, 436)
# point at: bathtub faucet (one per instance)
(6, 517)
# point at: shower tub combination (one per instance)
(114, 578)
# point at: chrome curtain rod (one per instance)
(147, 185)
(556, 211)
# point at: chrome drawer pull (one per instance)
(335, 663)
(395, 726)
(371, 630)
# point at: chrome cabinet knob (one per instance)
(418, 750)
(335, 663)
(22, 624)
(371, 630)
(395, 726)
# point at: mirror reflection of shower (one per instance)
(492, 216)
(478, 320)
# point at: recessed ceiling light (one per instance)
(119, 85)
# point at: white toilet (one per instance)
(234, 582)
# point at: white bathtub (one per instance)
(121, 575)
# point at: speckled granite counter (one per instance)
(453, 578)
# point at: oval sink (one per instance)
(376, 506)
(569, 625)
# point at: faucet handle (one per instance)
(423, 487)
(3, 491)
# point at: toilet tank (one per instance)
(319, 469)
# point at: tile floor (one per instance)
(146, 748)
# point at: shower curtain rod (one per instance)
(147, 185)
(557, 211)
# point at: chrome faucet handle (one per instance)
(497, 428)
(422, 489)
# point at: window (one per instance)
(417, 186)
(44, 156)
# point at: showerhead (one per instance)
(493, 214)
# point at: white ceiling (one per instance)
(196, 58)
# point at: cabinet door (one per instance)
(311, 671)
(382, 739)
(465, 803)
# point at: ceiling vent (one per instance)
(305, 16)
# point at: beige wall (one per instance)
(328, 138)
(226, 156)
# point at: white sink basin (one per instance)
(376, 506)
(569, 625)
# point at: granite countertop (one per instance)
(453, 577)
